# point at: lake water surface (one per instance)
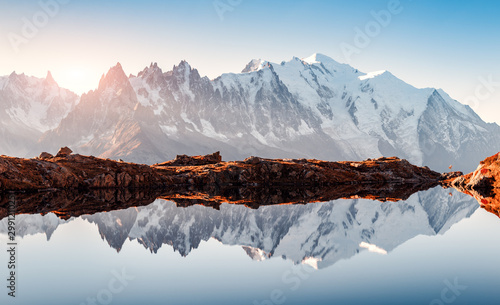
(437, 247)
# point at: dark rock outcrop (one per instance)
(45, 155)
(185, 160)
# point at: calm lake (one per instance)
(437, 247)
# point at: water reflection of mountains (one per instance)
(316, 233)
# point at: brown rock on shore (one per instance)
(64, 152)
(185, 160)
(45, 155)
(483, 184)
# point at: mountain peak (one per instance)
(49, 80)
(184, 70)
(153, 69)
(15, 76)
(153, 75)
(331, 64)
(254, 65)
(319, 58)
(18, 79)
(183, 65)
(115, 75)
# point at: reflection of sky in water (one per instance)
(76, 264)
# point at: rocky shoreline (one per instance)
(72, 171)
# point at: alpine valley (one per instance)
(313, 107)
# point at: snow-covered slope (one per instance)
(313, 107)
(30, 106)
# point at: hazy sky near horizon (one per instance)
(452, 45)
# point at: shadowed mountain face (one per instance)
(318, 234)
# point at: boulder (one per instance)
(45, 155)
(252, 160)
(64, 152)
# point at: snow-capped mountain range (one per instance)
(318, 234)
(30, 106)
(313, 107)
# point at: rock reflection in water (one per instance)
(71, 203)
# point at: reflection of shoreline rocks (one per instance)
(67, 171)
(74, 203)
(483, 184)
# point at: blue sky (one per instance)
(452, 45)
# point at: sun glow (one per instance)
(79, 79)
